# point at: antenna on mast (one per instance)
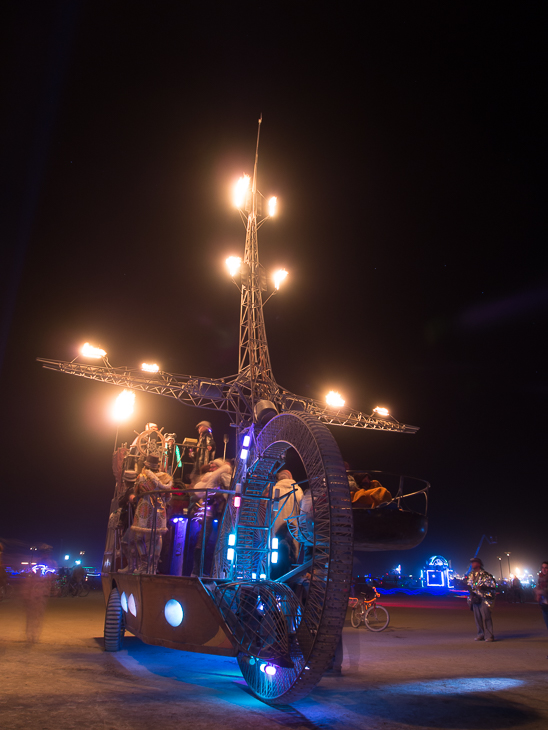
(254, 185)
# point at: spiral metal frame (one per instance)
(314, 635)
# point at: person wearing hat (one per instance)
(482, 591)
(205, 448)
(150, 515)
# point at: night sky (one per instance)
(407, 146)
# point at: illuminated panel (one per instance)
(173, 612)
(123, 600)
(434, 578)
(132, 605)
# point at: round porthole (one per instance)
(132, 605)
(173, 612)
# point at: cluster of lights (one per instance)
(150, 367)
(245, 447)
(274, 554)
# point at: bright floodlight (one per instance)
(88, 350)
(334, 399)
(150, 368)
(272, 205)
(279, 276)
(381, 411)
(123, 406)
(240, 190)
(233, 264)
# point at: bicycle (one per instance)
(374, 616)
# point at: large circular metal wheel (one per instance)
(313, 631)
(114, 622)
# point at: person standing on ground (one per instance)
(482, 587)
(541, 591)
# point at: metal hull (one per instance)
(202, 629)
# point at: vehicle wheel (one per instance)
(114, 622)
(83, 590)
(377, 618)
(356, 616)
(313, 631)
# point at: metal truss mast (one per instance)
(252, 395)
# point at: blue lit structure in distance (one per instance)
(437, 573)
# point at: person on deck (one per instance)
(209, 506)
(290, 496)
(145, 522)
(371, 493)
(205, 448)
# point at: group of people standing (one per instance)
(148, 491)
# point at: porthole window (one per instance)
(173, 612)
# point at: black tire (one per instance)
(114, 622)
(83, 590)
(356, 616)
(377, 618)
(320, 623)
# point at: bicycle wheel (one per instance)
(83, 590)
(114, 622)
(377, 618)
(356, 616)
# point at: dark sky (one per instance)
(407, 147)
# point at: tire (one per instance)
(377, 618)
(114, 622)
(356, 616)
(313, 630)
(83, 590)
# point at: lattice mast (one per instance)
(254, 357)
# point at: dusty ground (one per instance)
(424, 671)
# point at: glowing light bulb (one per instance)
(123, 405)
(272, 205)
(334, 399)
(381, 411)
(88, 350)
(233, 264)
(240, 191)
(150, 368)
(279, 276)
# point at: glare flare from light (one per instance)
(272, 205)
(233, 264)
(380, 411)
(334, 399)
(150, 368)
(123, 405)
(88, 350)
(240, 191)
(279, 276)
